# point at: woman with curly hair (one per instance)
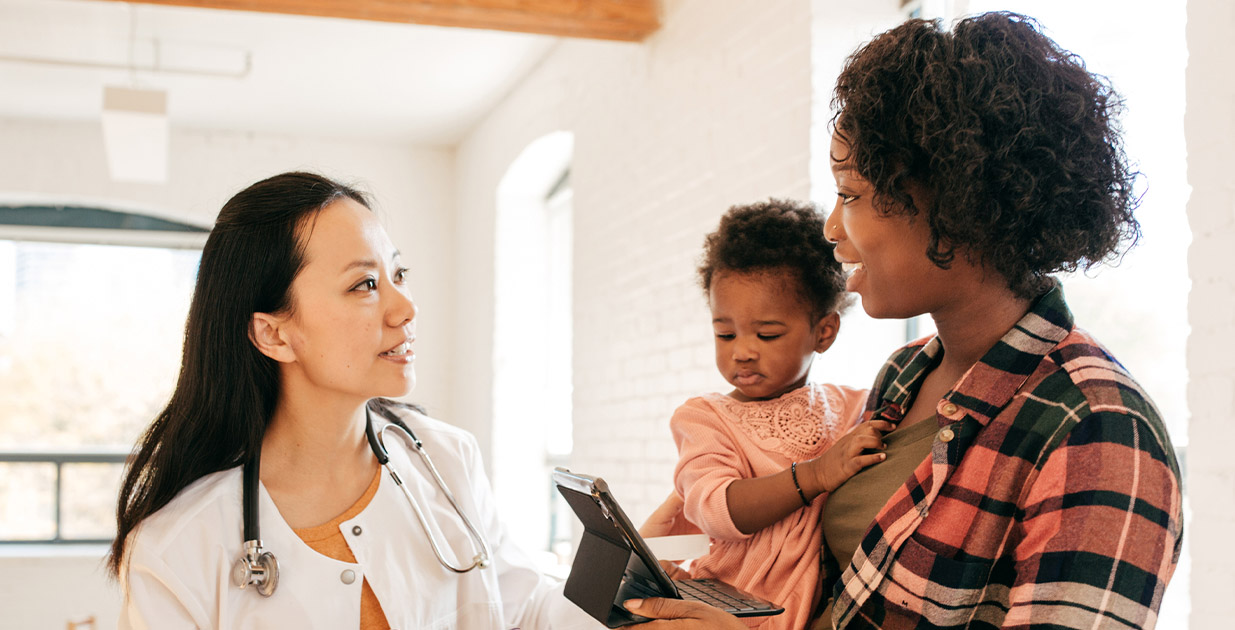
(1033, 484)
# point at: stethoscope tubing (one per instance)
(260, 568)
(481, 559)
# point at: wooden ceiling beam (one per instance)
(624, 20)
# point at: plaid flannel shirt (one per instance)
(1051, 497)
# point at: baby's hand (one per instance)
(844, 459)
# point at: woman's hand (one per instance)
(676, 614)
(845, 458)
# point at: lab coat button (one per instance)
(946, 435)
(348, 576)
(356, 530)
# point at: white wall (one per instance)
(1209, 128)
(64, 163)
(42, 589)
(713, 110)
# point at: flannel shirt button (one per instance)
(946, 435)
(950, 408)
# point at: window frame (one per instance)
(151, 231)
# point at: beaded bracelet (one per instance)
(793, 471)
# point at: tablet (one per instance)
(614, 564)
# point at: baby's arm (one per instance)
(710, 457)
(761, 501)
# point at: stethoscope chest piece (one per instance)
(256, 567)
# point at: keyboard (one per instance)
(722, 596)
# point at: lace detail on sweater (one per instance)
(799, 424)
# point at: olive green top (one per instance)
(852, 507)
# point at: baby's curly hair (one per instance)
(775, 235)
(1017, 144)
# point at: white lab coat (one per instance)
(178, 573)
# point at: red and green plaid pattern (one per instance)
(1054, 503)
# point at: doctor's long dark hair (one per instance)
(227, 389)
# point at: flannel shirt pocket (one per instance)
(929, 585)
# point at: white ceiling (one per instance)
(314, 76)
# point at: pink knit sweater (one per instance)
(721, 440)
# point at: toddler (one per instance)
(756, 463)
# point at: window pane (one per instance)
(90, 340)
(88, 500)
(27, 501)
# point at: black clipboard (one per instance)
(614, 564)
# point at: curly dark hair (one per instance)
(773, 236)
(1017, 144)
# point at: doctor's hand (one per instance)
(676, 614)
(668, 520)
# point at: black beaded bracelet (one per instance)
(793, 471)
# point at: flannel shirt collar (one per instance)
(989, 385)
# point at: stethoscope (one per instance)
(260, 568)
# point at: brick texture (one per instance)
(712, 111)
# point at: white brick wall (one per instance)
(711, 111)
(1210, 134)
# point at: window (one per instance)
(90, 337)
(533, 345)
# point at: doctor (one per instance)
(300, 323)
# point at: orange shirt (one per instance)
(328, 540)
